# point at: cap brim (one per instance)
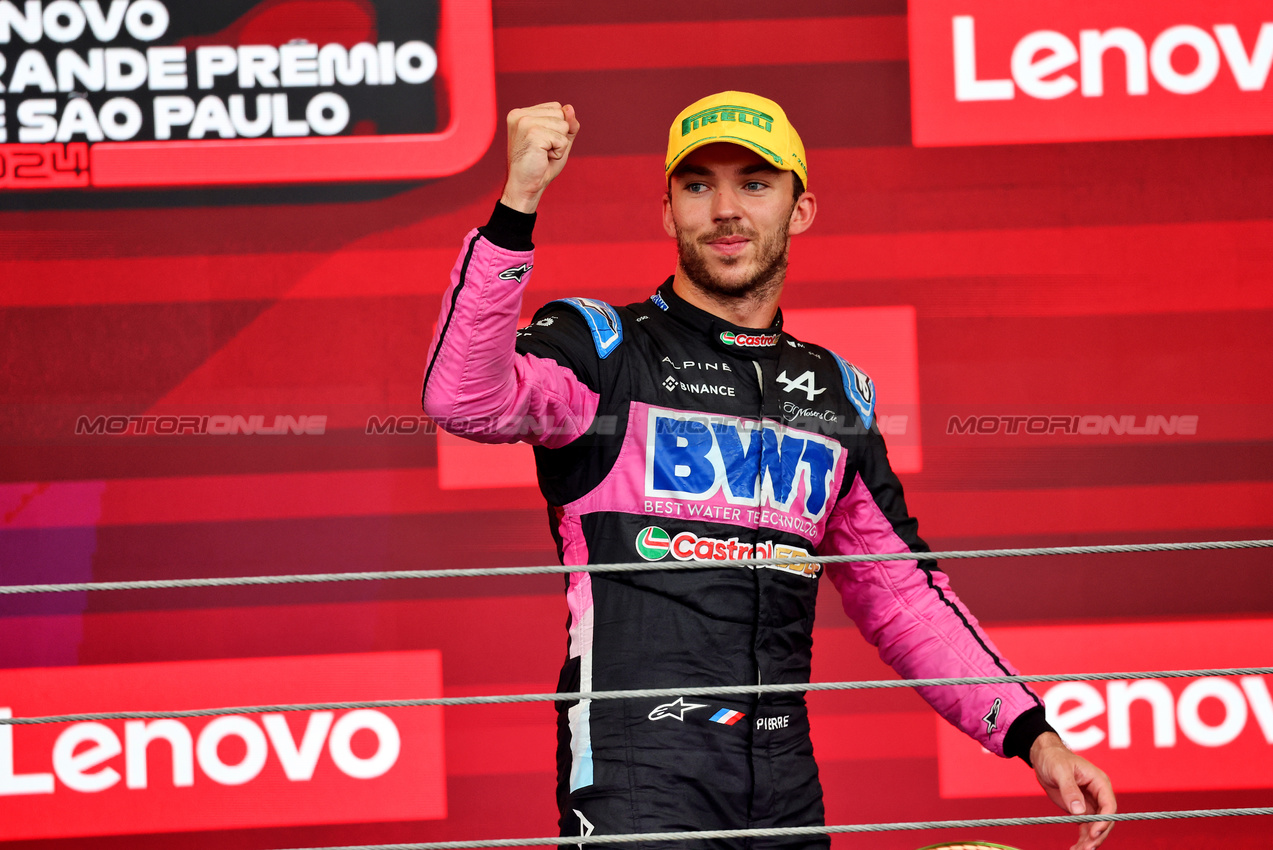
(767, 154)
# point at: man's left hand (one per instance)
(1076, 785)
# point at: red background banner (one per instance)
(1098, 287)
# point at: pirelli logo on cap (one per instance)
(741, 114)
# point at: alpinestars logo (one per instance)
(746, 340)
(804, 383)
(516, 273)
(675, 710)
(585, 826)
(992, 716)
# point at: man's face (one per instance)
(732, 213)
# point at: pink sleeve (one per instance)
(475, 384)
(920, 627)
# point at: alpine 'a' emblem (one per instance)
(804, 383)
(992, 716)
(676, 710)
(516, 273)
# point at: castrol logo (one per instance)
(746, 340)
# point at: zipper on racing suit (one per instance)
(760, 489)
(755, 635)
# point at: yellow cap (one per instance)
(755, 122)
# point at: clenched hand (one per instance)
(539, 140)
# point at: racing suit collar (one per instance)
(752, 343)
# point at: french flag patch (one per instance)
(729, 718)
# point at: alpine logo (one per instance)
(653, 543)
(746, 340)
(804, 384)
(516, 273)
(659, 302)
(675, 710)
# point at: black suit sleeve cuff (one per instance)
(1029, 725)
(509, 229)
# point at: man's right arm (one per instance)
(476, 384)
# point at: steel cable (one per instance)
(782, 832)
(638, 693)
(639, 566)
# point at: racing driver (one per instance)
(690, 426)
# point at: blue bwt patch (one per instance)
(603, 321)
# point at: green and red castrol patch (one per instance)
(654, 544)
(746, 340)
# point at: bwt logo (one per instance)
(697, 457)
(1073, 705)
(82, 753)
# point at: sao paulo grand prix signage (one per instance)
(158, 93)
(1006, 71)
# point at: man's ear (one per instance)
(669, 224)
(803, 213)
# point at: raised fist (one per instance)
(539, 140)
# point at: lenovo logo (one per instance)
(985, 72)
(1075, 709)
(83, 751)
(225, 772)
(1207, 733)
(1040, 58)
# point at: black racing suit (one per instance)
(663, 432)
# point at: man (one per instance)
(691, 427)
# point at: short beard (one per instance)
(771, 256)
